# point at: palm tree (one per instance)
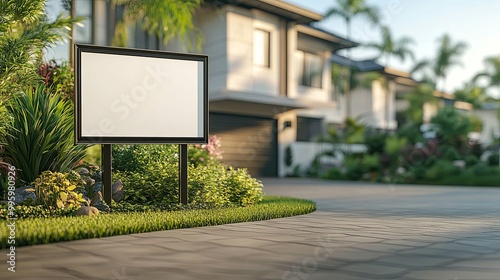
(492, 72)
(447, 56)
(348, 10)
(166, 19)
(25, 32)
(389, 46)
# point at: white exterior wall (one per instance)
(213, 25)
(491, 125)
(242, 75)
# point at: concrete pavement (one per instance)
(360, 231)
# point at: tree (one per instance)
(447, 56)
(492, 72)
(389, 46)
(166, 19)
(348, 10)
(25, 32)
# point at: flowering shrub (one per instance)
(206, 153)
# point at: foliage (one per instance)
(33, 211)
(165, 19)
(59, 190)
(41, 134)
(447, 56)
(150, 173)
(419, 96)
(492, 72)
(206, 153)
(48, 230)
(454, 126)
(394, 144)
(25, 32)
(334, 173)
(391, 47)
(376, 143)
(442, 168)
(349, 9)
(354, 131)
(60, 79)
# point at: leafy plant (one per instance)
(150, 174)
(25, 32)
(40, 137)
(59, 190)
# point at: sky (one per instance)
(477, 23)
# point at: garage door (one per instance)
(248, 142)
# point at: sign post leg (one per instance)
(183, 174)
(106, 173)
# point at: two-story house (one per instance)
(270, 79)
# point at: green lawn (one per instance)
(49, 230)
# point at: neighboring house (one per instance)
(488, 113)
(374, 100)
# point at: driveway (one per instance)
(360, 231)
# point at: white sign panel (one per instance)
(140, 96)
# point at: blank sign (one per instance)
(140, 96)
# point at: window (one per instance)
(311, 69)
(309, 129)
(83, 31)
(261, 48)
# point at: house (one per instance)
(270, 82)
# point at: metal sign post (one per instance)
(107, 169)
(183, 174)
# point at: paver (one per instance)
(360, 232)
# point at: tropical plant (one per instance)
(389, 46)
(491, 73)
(417, 98)
(472, 93)
(447, 56)
(40, 137)
(59, 190)
(166, 19)
(25, 32)
(453, 126)
(348, 10)
(59, 79)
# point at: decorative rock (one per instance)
(89, 182)
(86, 211)
(24, 195)
(117, 191)
(97, 187)
(82, 171)
(98, 202)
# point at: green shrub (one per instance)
(41, 134)
(440, 169)
(334, 174)
(150, 176)
(471, 160)
(59, 190)
(354, 169)
(48, 230)
(493, 159)
(481, 169)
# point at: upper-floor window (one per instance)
(311, 69)
(83, 31)
(261, 48)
